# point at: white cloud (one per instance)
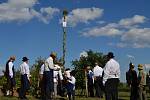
(10, 12)
(45, 14)
(121, 45)
(128, 31)
(130, 56)
(21, 3)
(22, 10)
(101, 22)
(136, 19)
(83, 15)
(108, 30)
(138, 36)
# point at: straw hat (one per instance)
(140, 67)
(53, 54)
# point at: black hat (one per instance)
(110, 55)
(67, 69)
(131, 65)
(25, 59)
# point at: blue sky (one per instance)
(32, 28)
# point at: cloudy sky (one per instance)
(33, 28)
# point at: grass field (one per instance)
(122, 96)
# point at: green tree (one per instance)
(35, 75)
(81, 64)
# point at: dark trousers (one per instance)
(134, 93)
(10, 84)
(71, 95)
(25, 85)
(42, 91)
(60, 88)
(111, 89)
(90, 87)
(98, 87)
(70, 91)
(48, 85)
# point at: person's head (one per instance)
(110, 55)
(67, 69)
(96, 63)
(88, 68)
(25, 59)
(67, 72)
(140, 67)
(12, 58)
(131, 65)
(53, 55)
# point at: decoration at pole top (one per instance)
(65, 12)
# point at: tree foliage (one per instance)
(35, 75)
(81, 64)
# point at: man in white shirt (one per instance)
(111, 77)
(10, 75)
(48, 76)
(98, 71)
(25, 78)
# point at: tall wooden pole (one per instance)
(64, 36)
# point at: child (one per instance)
(70, 86)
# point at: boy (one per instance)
(70, 86)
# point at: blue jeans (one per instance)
(25, 85)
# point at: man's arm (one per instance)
(27, 71)
(106, 73)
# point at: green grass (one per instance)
(122, 96)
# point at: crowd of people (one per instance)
(137, 82)
(50, 75)
(104, 79)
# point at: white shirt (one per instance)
(49, 64)
(24, 69)
(56, 73)
(98, 71)
(111, 70)
(42, 69)
(72, 80)
(10, 64)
